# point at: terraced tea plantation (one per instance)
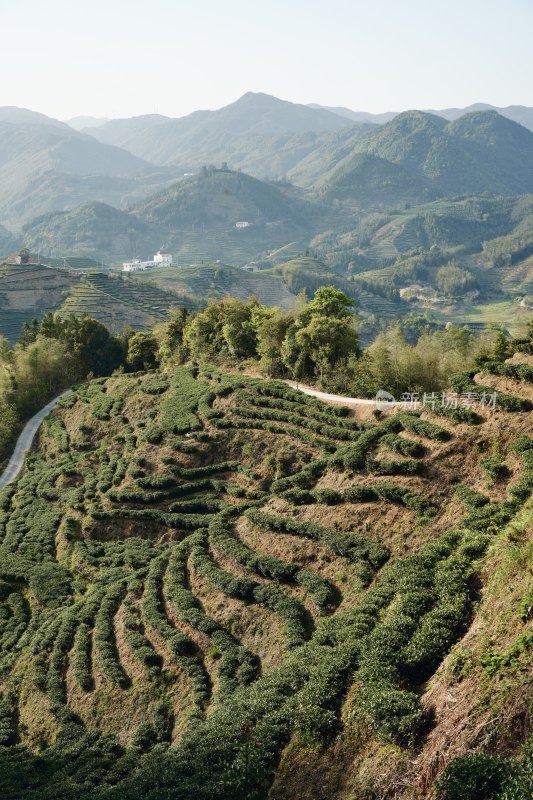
(120, 302)
(213, 586)
(29, 291)
(219, 280)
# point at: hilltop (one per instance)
(216, 587)
(214, 136)
(94, 230)
(521, 114)
(47, 165)
(480, 152)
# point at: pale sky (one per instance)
(116, 59)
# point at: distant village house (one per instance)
(24, 257)
(159, 260)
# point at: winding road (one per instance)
(25, 440)
(348, 401)
(330, 398)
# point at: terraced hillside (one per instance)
(219, 280)
(121, 302)
(216, 587)
(29, 291)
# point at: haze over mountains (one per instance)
(126, 186)
(45, 165)
(521, 114)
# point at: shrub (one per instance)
(7, 720)
(359, 494)
(352, 546)
(494, 468)
(405, 447)
(328, 497)
(523, 443)
(104, 637)
(407, 466)
(470, 498)
(519, 372)
(394, 713)
(478, 776)
(411, 422)
(81, 661)
(506, 402)
(140, 646)
(51, 584)
(154, 386)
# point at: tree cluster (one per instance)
(50, 356)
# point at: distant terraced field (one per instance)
(29, 291)
(119, 302)
(220, 280)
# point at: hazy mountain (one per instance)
(414, 158)
(329, 150)
(480, 152)
(419, 142)
(227, 134)
(129, 133)
(46, 166)
(24, 116)
(502, 146)
(79, 123)
(367, 178)
(218, 196)
(521, 114)
(93, 230)
(8, 242)
(357, 116)
(56, 191)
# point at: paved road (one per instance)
(25, 440)
(331, 398)
(337, 398)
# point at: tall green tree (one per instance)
(143, 350)
(323, 336)
(271, 326)
(223, 330)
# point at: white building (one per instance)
(159, 260)
(135, 266)
(162, 259)
(243, 224)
